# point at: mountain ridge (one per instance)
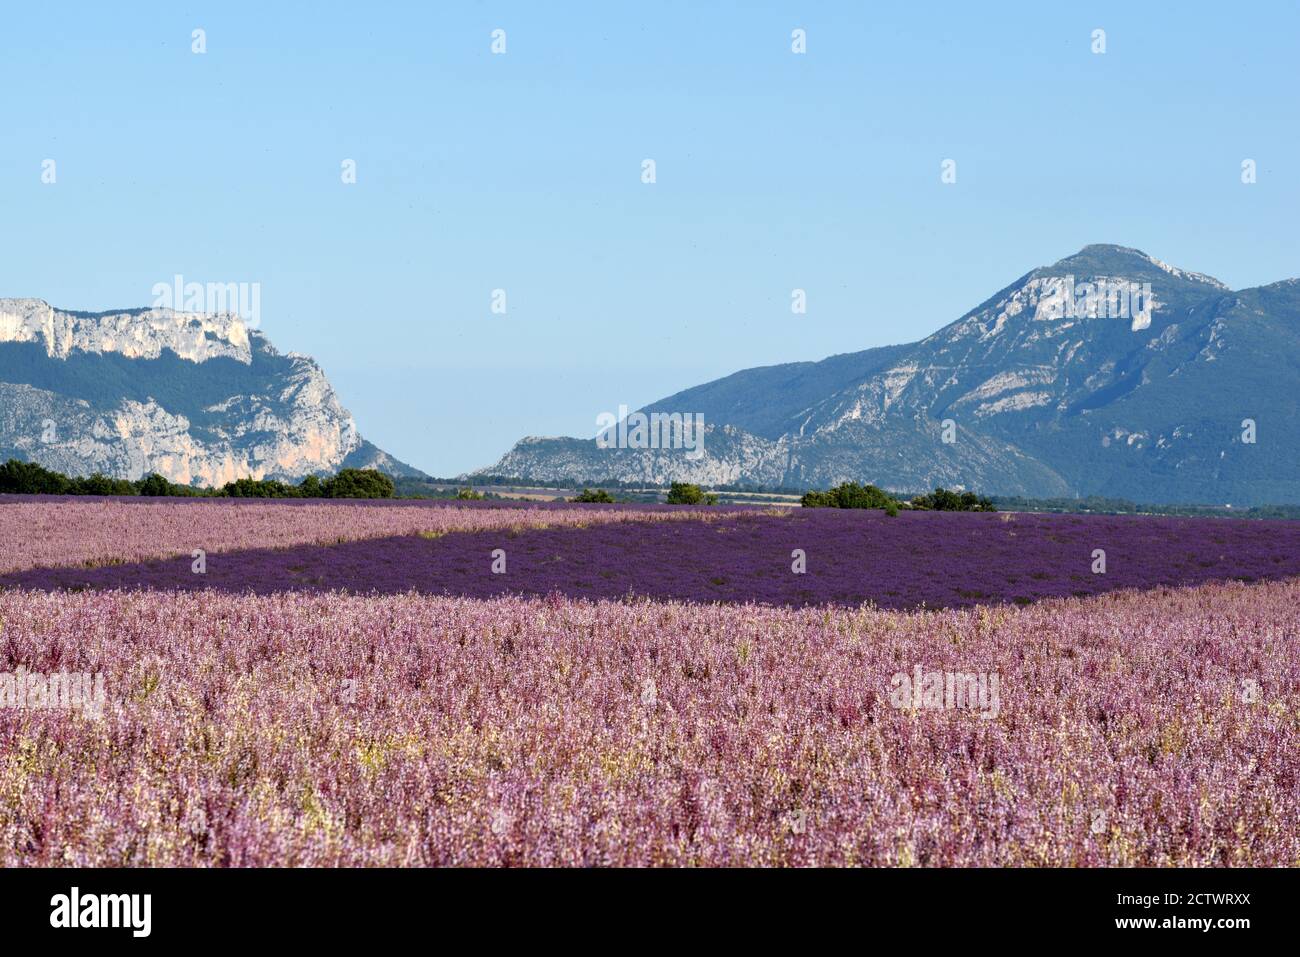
(1044, 403)
(198, 398)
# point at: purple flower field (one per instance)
(637, 691)
(935, 559)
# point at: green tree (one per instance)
(98, 484)
(28, 478)
(849, 495)
(258, 488)
(687, 493)
(598, 497)
(359, 483)
(153, 484)
(943, 500)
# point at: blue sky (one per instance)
(522, 172)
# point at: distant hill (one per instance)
(1042, 402)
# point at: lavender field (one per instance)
(930, 559)
(642, 686)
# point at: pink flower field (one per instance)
(104, 531)
(1135, 728)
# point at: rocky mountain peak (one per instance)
(198, 398)
(132, 333)
(1105, 259)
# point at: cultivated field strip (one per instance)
(1136, 728)
(63, 532)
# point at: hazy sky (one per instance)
(523, 172)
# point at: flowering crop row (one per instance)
(64, 532)
(807, 557)
(1135, 728)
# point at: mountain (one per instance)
(1049, 392)
(200, 399)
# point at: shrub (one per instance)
(28, 478)
(257, 488)
(359, 483)
(97, 484)
(849, 495)
(153, 484)
(687, 493)
(943, 500)
(469, 495)
(597, 497)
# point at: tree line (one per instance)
(28, 478)
(853, 495)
